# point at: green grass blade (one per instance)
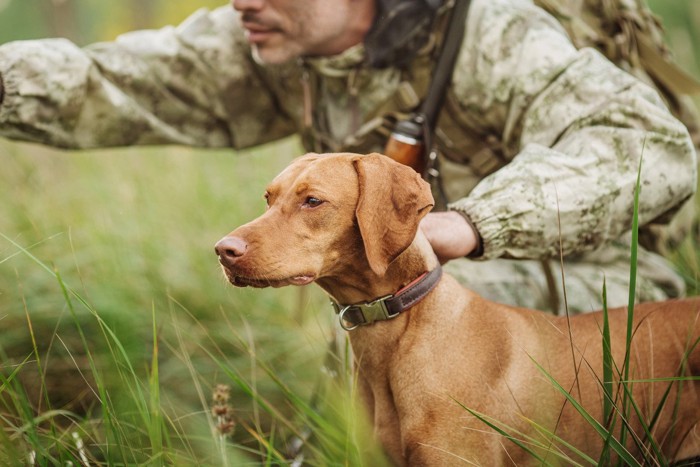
(528, 444)
(607, 384)
(634, 246)
(564, 443)
(486, 420)
(616, 445)
(155, 426)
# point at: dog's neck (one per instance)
(373, 343)
(363, 285)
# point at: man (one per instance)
(539, 143)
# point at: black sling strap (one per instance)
(416, 132)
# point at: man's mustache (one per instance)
(252, 19)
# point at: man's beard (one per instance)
(273, 57)
(255, 52)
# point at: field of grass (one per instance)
(117, 323)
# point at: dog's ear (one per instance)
(393, 199)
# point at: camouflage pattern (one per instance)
(539, 142)
(632, 37)
(541, 285)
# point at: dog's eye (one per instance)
(267, 198)
(312, 202)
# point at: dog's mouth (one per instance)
(262, 282)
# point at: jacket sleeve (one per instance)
(580, 127)
(194, 84)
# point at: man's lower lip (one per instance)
(256, 37)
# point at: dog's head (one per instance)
(327, 214)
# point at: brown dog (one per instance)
(350, 223)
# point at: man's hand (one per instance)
(450, 235)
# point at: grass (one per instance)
(117, 325)
(117, 322)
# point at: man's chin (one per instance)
(271, 55)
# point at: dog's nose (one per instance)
(230, 248)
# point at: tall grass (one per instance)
(116, 324)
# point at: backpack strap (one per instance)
(632, 37)
(626, 32)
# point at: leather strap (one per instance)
(384, 308)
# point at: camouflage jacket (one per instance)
(536, 137)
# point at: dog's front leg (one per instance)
(384, 420)
(442, 436)
(388, 431)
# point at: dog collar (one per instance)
(388, 307)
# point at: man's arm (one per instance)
(580, 128)
(194, 84)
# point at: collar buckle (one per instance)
(387, 307)
(362, 314)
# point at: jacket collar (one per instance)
(340, 65)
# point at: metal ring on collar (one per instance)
(341, 319)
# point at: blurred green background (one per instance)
(85, 21)
(130, 234)
(681, 19)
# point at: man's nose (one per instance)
(248, 5)
(229, 248)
